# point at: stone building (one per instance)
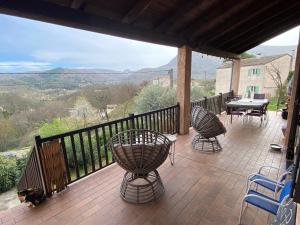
(255, 75)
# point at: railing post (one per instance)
(131, 116)
(205, 102)
(38, 143)
(178, 118)
(220, 102)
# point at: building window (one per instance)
(251, 90)
(255, 71)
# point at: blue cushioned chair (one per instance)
(273, 185)
(265, 202)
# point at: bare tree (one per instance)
(274, 72)
(99, 97)
(125, 92)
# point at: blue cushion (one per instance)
(260, 203)
(271, 186)
(286, 190)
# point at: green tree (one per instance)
(57, 126)
(155, 97)
(247, 55)
(197, 93)
(244, 55)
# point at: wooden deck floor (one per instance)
(200, 188)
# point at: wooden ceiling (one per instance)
(223, 28)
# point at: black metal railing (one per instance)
(215, 104)
(86, 150)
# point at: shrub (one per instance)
(20, 165)
(7, 173)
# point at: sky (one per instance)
(28, 45)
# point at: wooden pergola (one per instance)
(216, 27)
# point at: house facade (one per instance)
(256, 75)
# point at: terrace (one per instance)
(199, 189)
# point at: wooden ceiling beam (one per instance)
(184, 8)
(77, 4)
(216, 52)
(136, 11)
(253, 24)
(233, 23)
(204, 17)
(272, 33)
(202, 28)
(253, 32)
(200, 8)
(66, 16)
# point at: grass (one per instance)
(273, 105)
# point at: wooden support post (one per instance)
(235, 76)
(183, 91)
(293, 112)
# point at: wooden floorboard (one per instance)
(201, 188)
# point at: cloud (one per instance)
(64, 46)
(17, 66)
(60, 46)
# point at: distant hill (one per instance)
(203, 66)
(64, 78)
(273, 50)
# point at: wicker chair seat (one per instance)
(206, 123)
(137, 158)
(208, 127)
(140, 153)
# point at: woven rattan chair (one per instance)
(208, 127)
(140, 153)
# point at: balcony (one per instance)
(201, 188)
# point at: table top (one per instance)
(248, 103)
(171, 137)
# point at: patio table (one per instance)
(246, 103)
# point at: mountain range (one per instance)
(203, 67)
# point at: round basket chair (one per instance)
(140, 153)
(208, 127)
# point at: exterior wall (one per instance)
(253, 80)
(263, 81)
(223, 77)
(163, 81)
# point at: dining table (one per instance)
(247, 103)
